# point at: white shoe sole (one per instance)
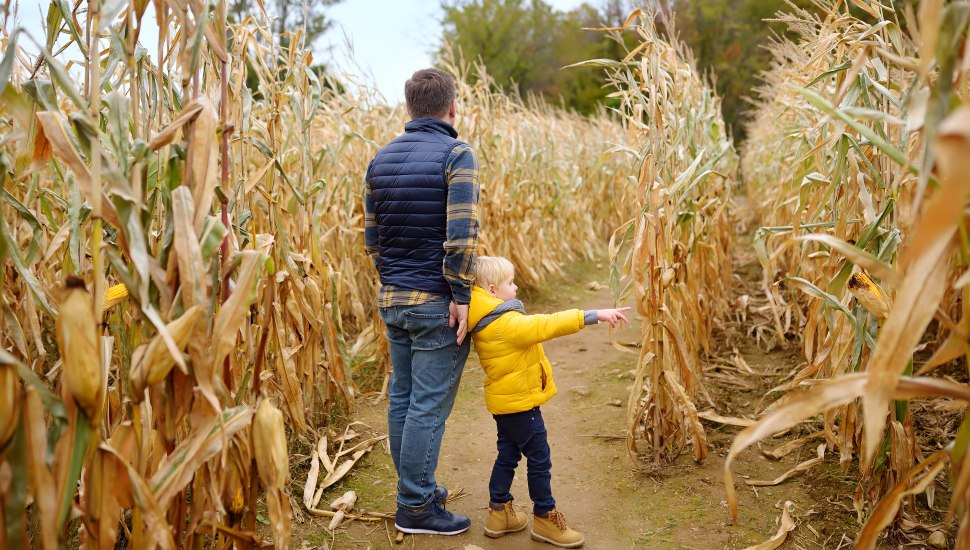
(411, 531)
(496, 534)
(540, 538)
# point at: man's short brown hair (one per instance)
(428, 93)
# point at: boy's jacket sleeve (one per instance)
(528, 330)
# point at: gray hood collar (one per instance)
(504, 307)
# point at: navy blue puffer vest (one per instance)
(410, 193)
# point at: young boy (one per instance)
(518, 379)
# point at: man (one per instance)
(421, 229)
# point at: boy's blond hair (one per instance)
(492, 270)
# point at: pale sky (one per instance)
(391, 38)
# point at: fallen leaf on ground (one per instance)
(784, 450)
(804, 466)
(787, 525)
(729, 420)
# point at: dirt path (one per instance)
(614, 502)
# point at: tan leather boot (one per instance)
(553, 529)
(503, 521)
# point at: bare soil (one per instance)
(615, 501)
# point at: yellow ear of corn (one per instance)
(269, 445)
(232, 493)
(236, 505)
(152, 363)
(77, 338)
(9, 402)
(869, 295)
(114, 295)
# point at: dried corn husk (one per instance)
(77, 337)
(152, 362)
(937, 539)
(269, 445)
(342, 505)
(668, 277)
(9, 402)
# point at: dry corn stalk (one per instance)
(673, 254)
(216, 222)
(853, 116)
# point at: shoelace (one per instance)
(558, 520)
(509, 513)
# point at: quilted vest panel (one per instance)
(410, 193)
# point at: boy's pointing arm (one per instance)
(528, 330)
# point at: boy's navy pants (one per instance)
(522, 434)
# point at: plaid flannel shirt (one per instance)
(462, 233)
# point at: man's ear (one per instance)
(452, 109)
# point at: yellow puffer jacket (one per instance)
(518, 375)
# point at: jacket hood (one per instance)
(482, 304)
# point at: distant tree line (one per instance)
(524, 43)
(287, 16)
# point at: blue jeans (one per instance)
(519, 434)
(426, 366)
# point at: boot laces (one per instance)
(509, 512)
(558, 520)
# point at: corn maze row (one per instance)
(185, 291)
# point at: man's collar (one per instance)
(430, 124)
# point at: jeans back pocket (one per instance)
(428, 326)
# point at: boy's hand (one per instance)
(459, 313)
(612, 316)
